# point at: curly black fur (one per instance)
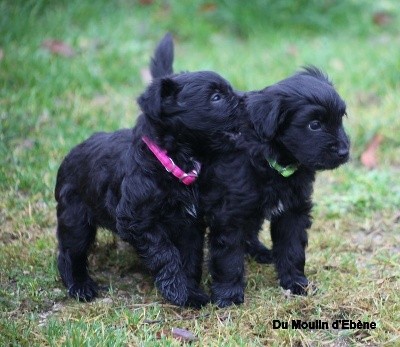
(161, 64)
(297, 121)
(113, 181)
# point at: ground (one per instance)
(54, 94)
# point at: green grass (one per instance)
(50, 103)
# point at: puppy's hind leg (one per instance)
(75, 235)
(147, 223)
(227, 265)
(253, 246)
(162, 258)
(190, 242)
(256, 250)
(150, 239)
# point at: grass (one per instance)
(49, 103)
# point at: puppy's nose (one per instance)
(343, 152)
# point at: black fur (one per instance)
(239, 188)
(162, 62)
(243, 190)
(113, 181)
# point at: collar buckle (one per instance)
(169, 164)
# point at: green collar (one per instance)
(285, 171)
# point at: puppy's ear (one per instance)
(159, 93)
(161, 63)
(265, 115)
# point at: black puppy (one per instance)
(119, 181)
(294, 128)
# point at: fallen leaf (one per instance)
(160, 334)
(1, 54)
(208, 7)
(369, 157)
(381, 18)
(58, 48)
(146, 2)
(183, 335)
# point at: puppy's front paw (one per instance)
(224, 296)
(297, 286)
(263, 256)
(83, 291)
(223, 302)
(259, 253)
(197, 298)
(174, 289)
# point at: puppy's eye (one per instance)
(315, 125)
(216, 97)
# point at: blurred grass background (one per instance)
(51, 100)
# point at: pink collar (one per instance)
(170, 166)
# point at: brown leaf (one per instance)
(369, 157)
(183, 335)
(208, 7)
(160, 334)
(146, 2)
(58, 48)
(381, 18)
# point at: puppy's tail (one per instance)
(161, 63)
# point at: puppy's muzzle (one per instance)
(341, 150)
(343, 153)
